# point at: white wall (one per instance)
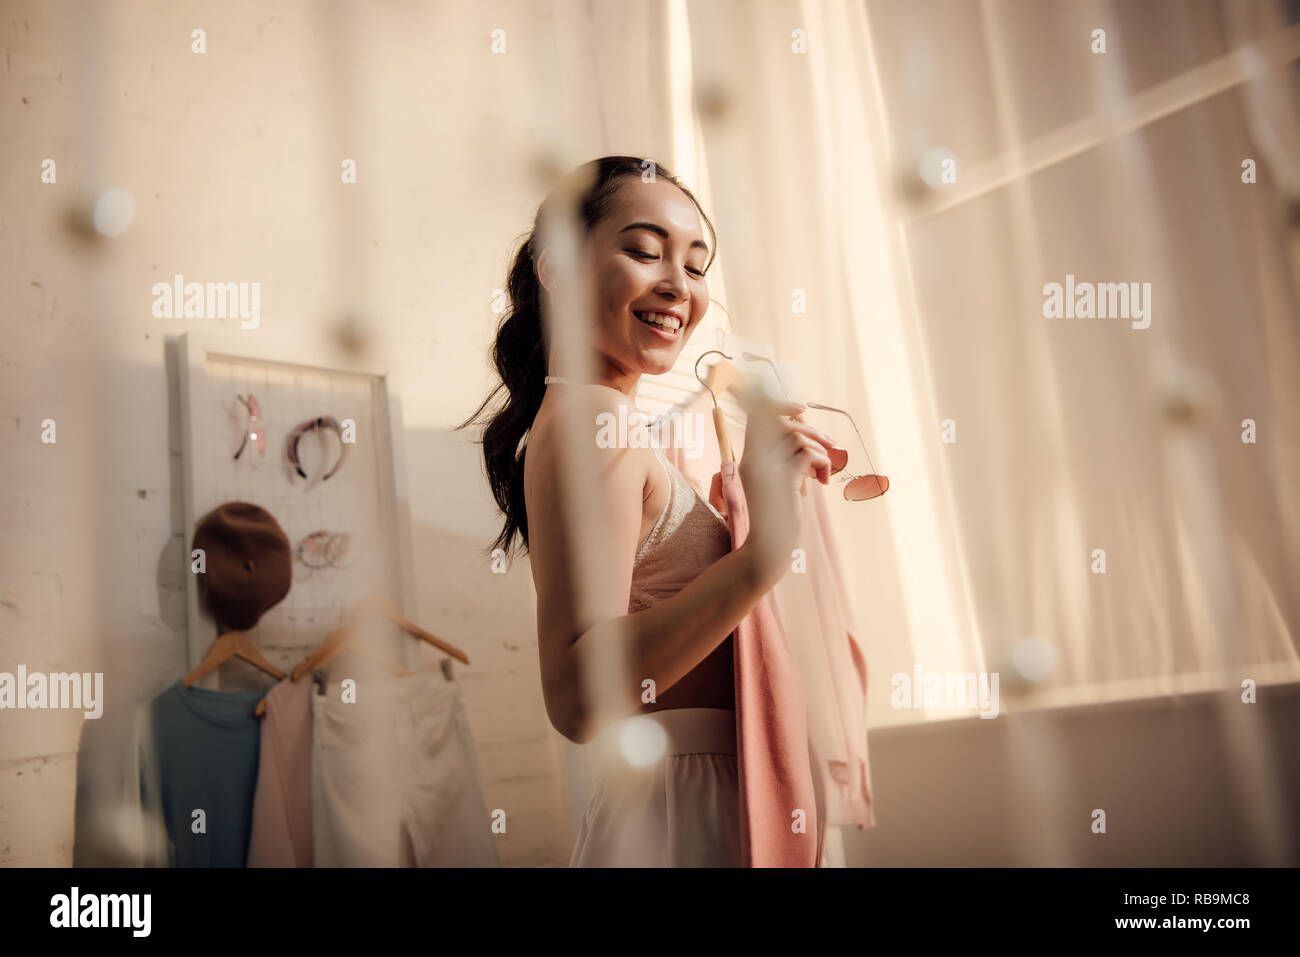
(233, 159)
(1021, 790)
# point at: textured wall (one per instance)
(233, 157)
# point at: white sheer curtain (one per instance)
(1100, 528)
(817, 123)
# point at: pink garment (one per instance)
(282, 826)
(815, 611)
(687, 538)
(771, 727)
(682, 811)
(833, 663)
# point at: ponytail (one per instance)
(520, 358)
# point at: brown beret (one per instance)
(249, 562)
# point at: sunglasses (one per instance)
(859, 487)
(324, 549)
(252, 427)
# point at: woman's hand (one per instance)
(781, 453)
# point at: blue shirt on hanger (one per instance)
(198, 752)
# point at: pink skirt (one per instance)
(682, 810)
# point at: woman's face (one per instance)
(647, 260)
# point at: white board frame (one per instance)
(193, 352)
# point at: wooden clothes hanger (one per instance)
(371, 605)
(723, 376)
(384, 607)
(233, 644)
(340, 639)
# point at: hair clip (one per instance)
(253, 426)
(323, 549)
(324, 422)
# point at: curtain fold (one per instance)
(1048, 505)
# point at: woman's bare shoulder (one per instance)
(578, 407)
(582, 408)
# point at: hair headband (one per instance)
(324, 422)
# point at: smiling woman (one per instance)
(635, 617)
(648, 262)
(632, 247)
(671, 322)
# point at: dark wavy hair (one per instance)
(522, 347)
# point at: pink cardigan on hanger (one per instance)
(778, 805)
(815, 614)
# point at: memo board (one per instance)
(365, 498)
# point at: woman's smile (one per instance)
(666, 325)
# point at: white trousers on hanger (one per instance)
(395, 777)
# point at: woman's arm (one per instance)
(594, 655)
(664, 642)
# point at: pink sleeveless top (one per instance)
(688, 537)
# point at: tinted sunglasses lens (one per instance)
(839, 458)
(313, 552)
(866, 487)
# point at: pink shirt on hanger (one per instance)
(282, 825)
